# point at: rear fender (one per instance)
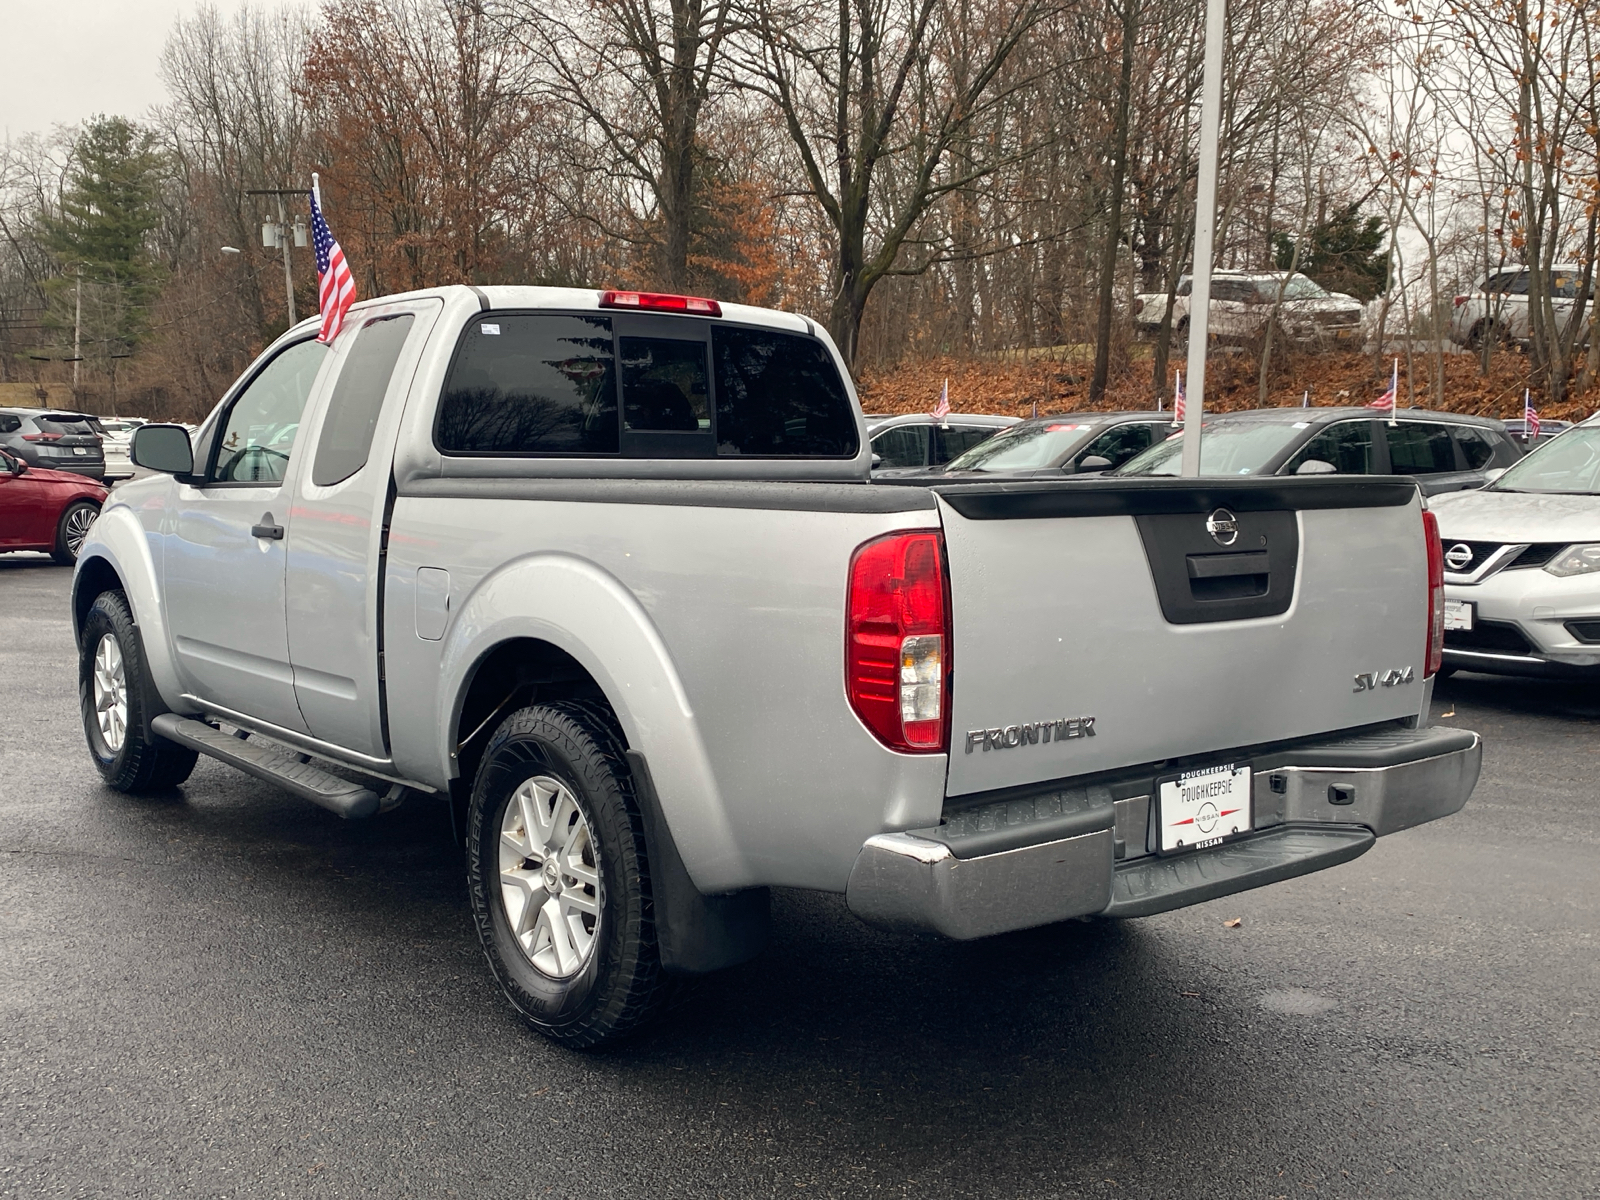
(118, 541)
(587, 612)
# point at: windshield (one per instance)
(1226, 448)
(1569, 464)
(1301, 288)
(1023, 447)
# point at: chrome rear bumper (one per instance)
(1316, 805)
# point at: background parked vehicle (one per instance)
(1522, 564)
(1242, 302)
(1446, 452)
(1500, 301)
(58, 441)
(918, 440)
(115, 434)
(1547, 430)
(45, 510)
(1066, 444)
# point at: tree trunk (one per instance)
(1119, 174)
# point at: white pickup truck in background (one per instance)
(606, 573)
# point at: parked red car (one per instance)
(42, 509)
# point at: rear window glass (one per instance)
(63, 424)
(1420, 449)
(779, 395)
(532, 383)
(548, 383)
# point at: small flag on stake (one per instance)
(1177, 401)
(1305, 398)
(941, 410)
(1530, 417)
(336, 287)
(1386, 402)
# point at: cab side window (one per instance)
(957, 440)
(1417, 449)
(902, 446)
(1118, 444)
(259, 433)
(1477, 446)
(1346, 445)
(357, 398)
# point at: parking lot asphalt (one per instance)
(228, 992)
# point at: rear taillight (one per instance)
(897, 641)
(1430, 535)
(1460, 300)
(661, 302)
(41, 437)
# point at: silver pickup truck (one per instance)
(606, 573)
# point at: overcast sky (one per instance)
(69, 59)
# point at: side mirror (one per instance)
(876, 460)
(13, 465)
(1493, 473)
(1094, 462)
(1315, 466)
(163, 448)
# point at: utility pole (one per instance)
(77, 333)
(276, 235)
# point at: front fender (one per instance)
(118, 540)
(587, 612)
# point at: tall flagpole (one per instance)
(1205, 224)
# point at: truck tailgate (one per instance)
(1100, 624)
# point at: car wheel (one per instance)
(74, 525)
(559, 879)
(116, 696)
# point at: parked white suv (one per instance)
(1501, 300)
(1241, 304)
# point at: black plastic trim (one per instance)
(1100, 497)
(690, 493)
(1031, 820)
(483, 297)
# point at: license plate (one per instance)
(1204, 808)
(80, 450)
(1458, 614)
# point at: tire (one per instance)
(71, 529)
(138, 761)
(575, 953)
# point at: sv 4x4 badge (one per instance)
(1369, 681)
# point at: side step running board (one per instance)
(273, 764)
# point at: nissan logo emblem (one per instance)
(1223, 527)
(1458, 557)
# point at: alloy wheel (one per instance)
(550, 877)
(111, 693)
(79, 522)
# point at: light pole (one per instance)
(1205, 225)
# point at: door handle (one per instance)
(267, 529)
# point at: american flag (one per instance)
(1386, 401)
(1530, 417)
(336, 287)
(1177, 401)
(941, 410)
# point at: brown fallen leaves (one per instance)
(1013, 386)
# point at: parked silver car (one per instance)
(1242, 303)
(918, 440)
(1522, 564)
(1500, 302)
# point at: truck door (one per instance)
(224, 562)
(336, 543)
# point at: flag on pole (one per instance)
(1305, 398)
(336, 287)
(1177, 401)
(941, 410)
(1386, 402)
(1530, 417)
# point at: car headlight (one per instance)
(1575, 560)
